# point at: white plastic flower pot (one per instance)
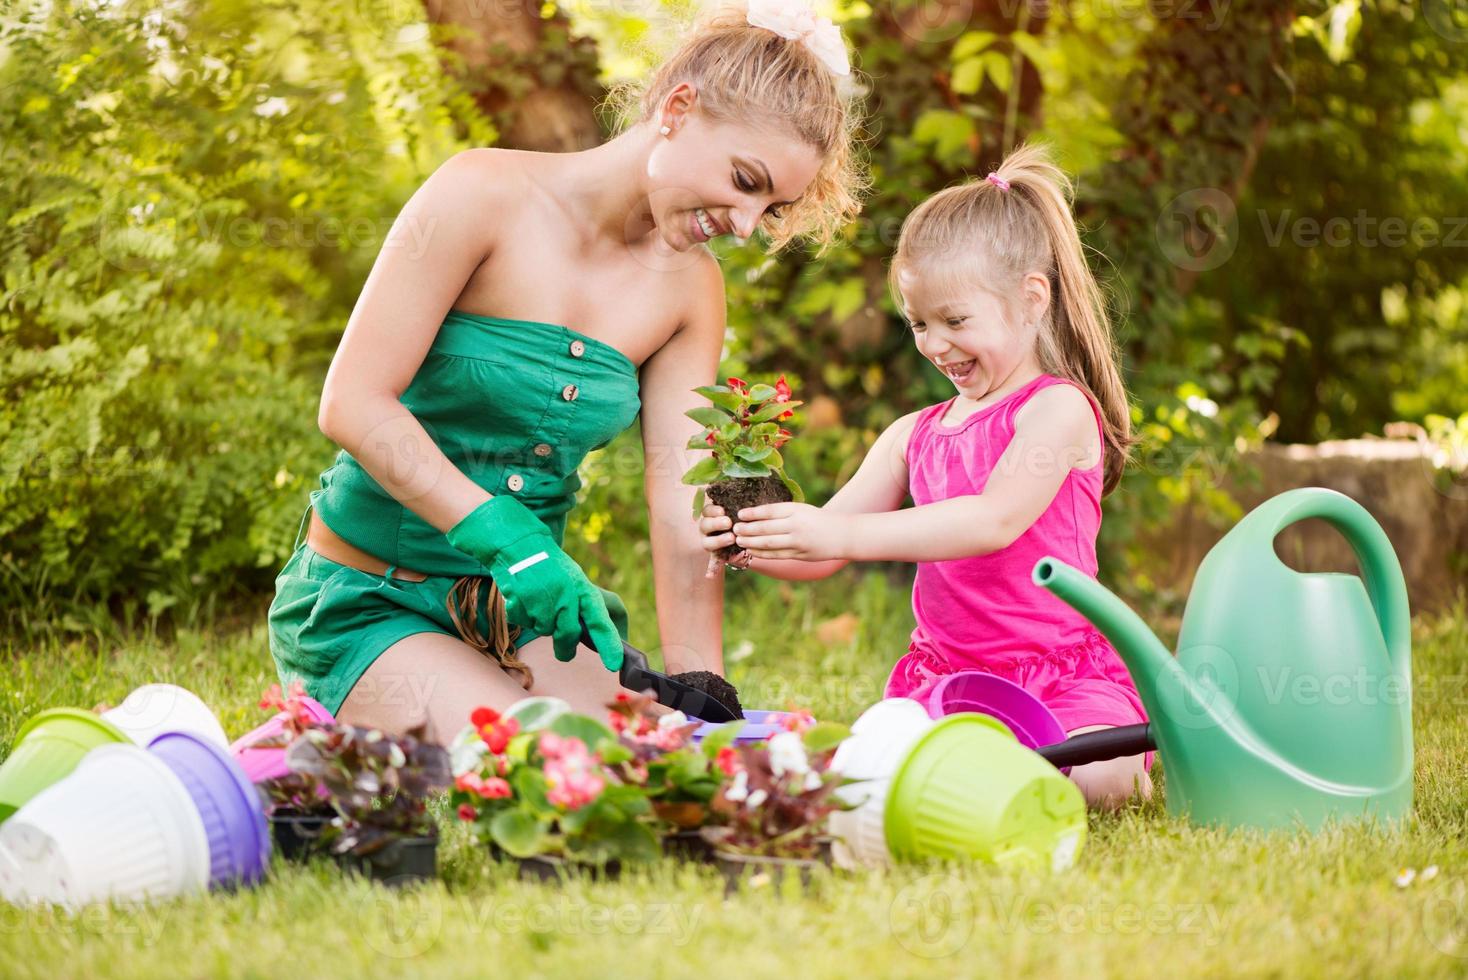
(153, 709)
(121, 827)
(892, 714)
(861, 839)
(880, 739)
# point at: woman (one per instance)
(548, 298)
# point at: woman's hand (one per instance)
(791, 530)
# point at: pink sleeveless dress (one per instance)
(985, 613)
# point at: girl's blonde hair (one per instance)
(980, 233)
(754, 76)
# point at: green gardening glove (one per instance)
(544, 589)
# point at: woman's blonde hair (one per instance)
(754, 76)
(979, 233)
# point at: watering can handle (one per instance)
(1380, 568)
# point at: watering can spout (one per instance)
(1151, 664)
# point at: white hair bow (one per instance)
(796, 21)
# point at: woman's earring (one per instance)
(665, 130)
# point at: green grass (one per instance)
(1150, 896)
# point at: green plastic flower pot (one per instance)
(47, 748)
(969, 790)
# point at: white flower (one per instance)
(1428, 873)
(756, 798)
(739, 789)
(466, 751)
(796, 21)
(273, 106)
(673, 719)
(812, 780)
(1404, 878)
(787, 754)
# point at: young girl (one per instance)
(993, 281)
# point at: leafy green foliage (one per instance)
(193, 198)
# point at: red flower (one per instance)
(495, 789)
(727, 760)
(782, 390)
(738, 385)
(483, 716)
(783, 438)
(497, 733)
(788, 413)
(467, 812)
(709, 438)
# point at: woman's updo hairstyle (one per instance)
(753, 76)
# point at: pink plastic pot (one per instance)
(264, 763)
(1033, 724)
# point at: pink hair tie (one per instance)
(997, 181)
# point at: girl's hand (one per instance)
(791, 530)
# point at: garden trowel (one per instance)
(636, 675)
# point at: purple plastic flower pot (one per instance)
(261, 764)
(758, 725)
(234, 820)
(1033, 724)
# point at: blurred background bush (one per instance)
(194, 191)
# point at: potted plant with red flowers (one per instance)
(551, 797)
(680, 776)
(770, 813)
(742, 429)
(360, 795)
(571, 790)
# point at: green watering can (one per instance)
(1289, 701)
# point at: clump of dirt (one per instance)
(714, 686)
(745, 491)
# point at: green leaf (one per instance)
(708, 415)
(825, 735)
(752, 454)
(759, 393)
(704, 471)
(517, 832)
(968, 76)
(613, 752)
(698, 502)
(530, 788)
(589, 730)
(946, 131)
(1001, 71)
(792, 486)
(721, 736)
(698, 441)
(739, 468)
(722, 397)
(771, 411)
(971, 44)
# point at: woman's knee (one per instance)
(428, 678)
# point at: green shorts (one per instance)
(329, 622)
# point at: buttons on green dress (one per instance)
(577, 348)
(569, 393)
(543, 449)
(516, 482)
